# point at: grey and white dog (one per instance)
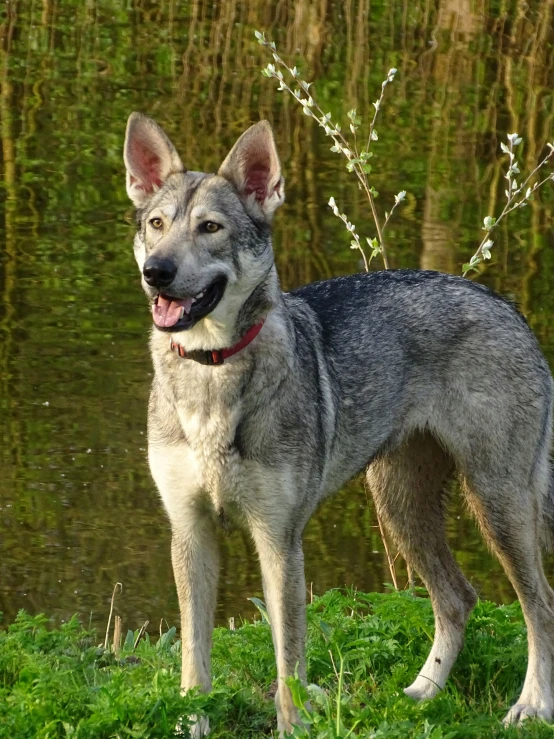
(264, 403)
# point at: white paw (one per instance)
(422, 689)
(522, 711)
(198, 728)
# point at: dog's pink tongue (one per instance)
(166, 312)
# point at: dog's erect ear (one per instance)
(253, 167)
(150, 158)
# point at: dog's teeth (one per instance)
(182, 312)
(200, 295)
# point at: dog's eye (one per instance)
(156, 223)
(211, 227)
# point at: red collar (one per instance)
(217, 356)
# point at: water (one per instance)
(78, 510)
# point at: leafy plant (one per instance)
(358, 158)
(358, 155)
(515, 198)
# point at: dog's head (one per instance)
(204, 240)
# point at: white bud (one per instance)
(400, 197)
(488, 222)
(485, 249)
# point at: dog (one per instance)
(264, 403)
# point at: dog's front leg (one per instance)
(195, 559)
(282, 565)
(194, 555)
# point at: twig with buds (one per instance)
(514, 198)
(358, 159)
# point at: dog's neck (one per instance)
(261, 300)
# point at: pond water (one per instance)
(78, 509)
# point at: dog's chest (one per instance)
(209, 413)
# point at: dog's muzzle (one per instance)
(171, 313)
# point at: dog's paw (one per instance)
(522, 711)
(198, 727)
(422, 689)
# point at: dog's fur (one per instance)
(417, 375)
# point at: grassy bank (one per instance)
(59, 683)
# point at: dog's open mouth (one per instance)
(180, 314)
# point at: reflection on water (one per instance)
(78, 510)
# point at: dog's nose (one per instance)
(159, 271)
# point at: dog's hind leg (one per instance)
(510, 512)
(408, 489)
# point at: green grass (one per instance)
(59, 683)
